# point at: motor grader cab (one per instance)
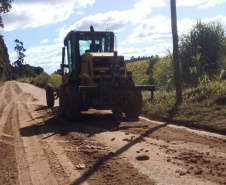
(95, 76)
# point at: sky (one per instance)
(142, 27)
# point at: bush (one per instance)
(139, 69)
(40, 80)
(55, 80)
(2, 83)
(201, 52)
(163, 74)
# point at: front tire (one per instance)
(134, 106)
(49, 95)
(62, 99)
(117, 112)
(72, 102)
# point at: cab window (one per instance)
(69, 56)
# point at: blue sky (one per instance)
(142, 27)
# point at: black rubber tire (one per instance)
(49, 95)
(62, 99)
(118, 112)
(72, 102)
(134, 106)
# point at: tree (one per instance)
(20, 52)
(201, 52)
(5, 6)
(38, 70)
(175, 52)
(4, 60)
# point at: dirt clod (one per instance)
(142, 157)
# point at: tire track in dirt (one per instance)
(22, 165)
(12, 94)
(9, 129)
(2, 92)
(51, 155)
(28, 157)
(6, 135)
(40, 172)
(65, 171)
(4, 116)
(7, 98)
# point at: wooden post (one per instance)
(175, 51)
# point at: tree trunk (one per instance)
(175, 51)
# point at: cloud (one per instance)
(219, 18)
(47, 57)
(156, 29)
(158, 49)
(35, 13)
(115, 20)
(200, 3)
(45, 41)
(148, 30)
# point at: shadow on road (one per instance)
(102, 122)
(105, 158)
(60, 125)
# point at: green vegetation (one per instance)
(20, 70)
(202, 55)
(2, 83)
(5, 6)
(139, 71)
(4, 60)
(203, 107)
(42, 79)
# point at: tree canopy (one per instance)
(201, 51)
(4, 60)
(5, 6)
(19, 48)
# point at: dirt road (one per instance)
(39, 147)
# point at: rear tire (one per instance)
(72, 102)
(117, 112)
(134, 106)
(62, 99)
(49, 95)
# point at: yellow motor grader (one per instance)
(95, 76)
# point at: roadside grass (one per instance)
(2, 83)
(203, 107)
(24, 80)
(42, 79)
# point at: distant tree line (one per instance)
(134, 59)
(17, 69)
(20, 70)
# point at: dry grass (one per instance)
(203, 107)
